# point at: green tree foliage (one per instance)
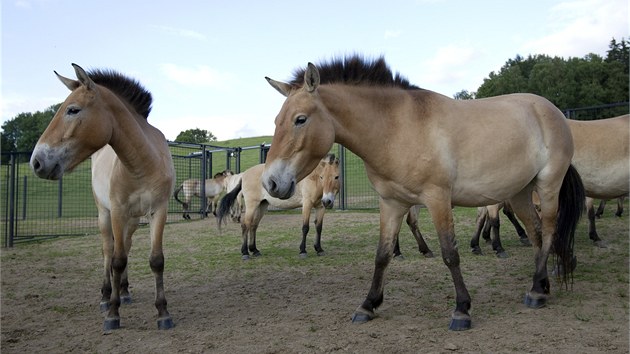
(197, 136)
(22, 132)
(568, 83)
(464, 95)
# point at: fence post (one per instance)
(204, 172)
(24, 190)
(11, 184)
(342, 171)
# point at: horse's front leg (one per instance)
(319, 224)
(156, 261)
(306, 217)
(118, 265)
(442, 216)
(107, 237)
(592, 230)
(495, 226)
(125, 296)
(390, 219)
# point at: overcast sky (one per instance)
(205, 61)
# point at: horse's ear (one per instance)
(83, 77)
(281, 87)
(311, 78)
(70, 84)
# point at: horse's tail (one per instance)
(570, 208)
(177, 193)
(227, 201)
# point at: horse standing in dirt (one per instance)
(132, 173)
(212, 189)
(434, 152)
(317, 190)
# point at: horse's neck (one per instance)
(357, 125)
(135, 141)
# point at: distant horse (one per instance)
(602, 158)
(192, 188)
(420, 147)
(317, 190)
(132, 173)
(239, 205)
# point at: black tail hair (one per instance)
(227, 201)
(177, 192)
(570, 208)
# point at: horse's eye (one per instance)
(300, 120)
(336, 177)
(73, 110)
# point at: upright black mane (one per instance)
(356, 70)
(129, 89)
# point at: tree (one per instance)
(464, 95)
(22, 132)
(567, 83)
(197, 136)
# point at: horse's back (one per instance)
(602, 156)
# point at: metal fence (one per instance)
(35, 209)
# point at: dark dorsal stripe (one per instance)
(126, 88)
(356, 70)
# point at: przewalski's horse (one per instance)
(132, 173)
(192, 188)
(317, 190)
(601, 158)
(432, 150)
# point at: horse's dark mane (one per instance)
(355, 70)
(128, 89)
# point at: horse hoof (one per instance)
(303, 255)
(399, 257)
(104, 306)
(165, 323)
(245, 257)
(428, 255)
(502, 254)
(125, 300)
(477, 251)
(257, 254)
(535, 301)
(111, 324)
(362, 316)
(321, 253)
(525, 241)
(460, 324)
(600, 244)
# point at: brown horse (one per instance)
(603, 160)
(317, 190)
(213, 188)
(420, 147)
(105, 116)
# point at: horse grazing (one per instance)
(105, 116)
(433, 151)
(192, 188)
(317, 190)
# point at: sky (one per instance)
(205, 62)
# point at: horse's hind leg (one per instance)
(601, 208)
(619, 211)
(125, 296)
(525, 210)
(156, 261)
(522, 235)
(482, 217)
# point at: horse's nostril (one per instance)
(272, 185)
(36, 164)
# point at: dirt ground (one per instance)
(282, 304)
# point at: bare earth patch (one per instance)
(279, 303)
